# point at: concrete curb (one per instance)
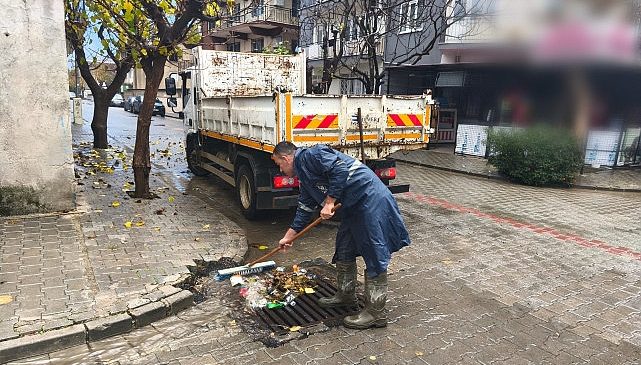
(96, 329)
(501, 178)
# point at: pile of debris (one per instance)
(275, 289)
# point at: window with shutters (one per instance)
(352, 87)
(259, 9)
(352, 31)
(258, 45)
(409, 11)
(233, 47)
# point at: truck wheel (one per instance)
(246, 191)
(191, 150)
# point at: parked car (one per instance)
(129, 103)
(159, 108)
(117, 100)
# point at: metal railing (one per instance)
(352, 48)
(469, 29)
(258, 13)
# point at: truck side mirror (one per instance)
(170, 86)
(172, 102)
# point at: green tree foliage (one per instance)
(283, 48)
(150, 31)
(107, 62)
(538, 156)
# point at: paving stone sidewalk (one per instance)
(496, 273)
(444, 159)
(112, 255)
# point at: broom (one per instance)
(256, 266)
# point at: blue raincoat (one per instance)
(371, 224)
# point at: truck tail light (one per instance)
(281, 182)
(388, 173)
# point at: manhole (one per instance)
(306, 312)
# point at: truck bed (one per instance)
(390, 123)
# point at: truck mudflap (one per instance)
(397, 189)
(284, 202)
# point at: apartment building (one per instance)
(255, 26)
(333, 34)
(518, 62)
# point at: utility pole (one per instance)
(77, 84)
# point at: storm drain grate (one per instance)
(306, 312)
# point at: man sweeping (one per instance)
(371, 225)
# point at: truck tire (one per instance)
(193, 161)
(246, 191)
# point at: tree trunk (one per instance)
(154, 70)
(99, 121)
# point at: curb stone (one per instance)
(97, 329)
(501, 178)
(109, 326)
(149, 313)
(179, 301)
(38, 344)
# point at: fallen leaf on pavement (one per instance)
(205, 226)
(140, 224)
(171, 199)
(419, 353)
(294, 328)
(5, 299)
(128, 224)
(115, 204)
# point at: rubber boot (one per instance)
(346, 285)
(373, 315)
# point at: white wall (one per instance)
(36, 158)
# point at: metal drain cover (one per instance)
(306, 312)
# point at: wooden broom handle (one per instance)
(298, 235)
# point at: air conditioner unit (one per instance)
(278, 2)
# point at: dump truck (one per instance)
(238, 106)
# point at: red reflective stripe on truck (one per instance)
(404, 120)
(328, 121)
(315, 121)
(397, 120)
(304, 121)
(415, 120)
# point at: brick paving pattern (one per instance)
(70, 268)
(496, 274)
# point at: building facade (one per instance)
(516, 62)
(334, 35)
(255, 26)
(36, 168)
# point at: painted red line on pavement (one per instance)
(563, 236)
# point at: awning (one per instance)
(450, 79)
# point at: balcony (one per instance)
(261, 16)
(470, 29)
(352, 48)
